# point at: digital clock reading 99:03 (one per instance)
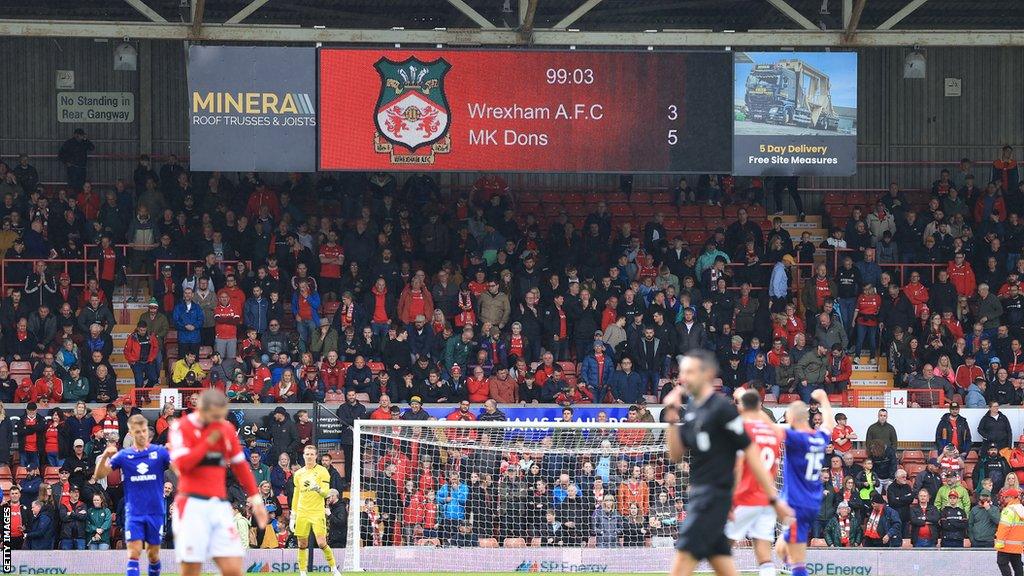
(574, 76)
(525, 111)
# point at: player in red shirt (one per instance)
(752, 515)
(202, 445)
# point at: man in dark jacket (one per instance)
(896, 311)
(72, 522)
(929, 479)
(42, 532)
(993, 466)
(882, 527)
(626, 385)
(348, 413)
(953, 429)
(74, 154)
(953, 523)
(280, 430)
(994, 427)
(690, 334)
(900, 495)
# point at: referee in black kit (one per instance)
(711, 432)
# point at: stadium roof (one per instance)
(525, 22)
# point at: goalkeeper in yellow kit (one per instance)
(312, 483)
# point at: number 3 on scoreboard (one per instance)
(814, 460)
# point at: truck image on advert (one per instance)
(790, 92)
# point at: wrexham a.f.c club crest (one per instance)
(412, 115)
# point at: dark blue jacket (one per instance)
(41, 536)
(626, 387)
(256, 313)
(183, 317)
(420, 344)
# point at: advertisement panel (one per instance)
(526, 111)
(414, 559)
(252, 108)
(795, 113)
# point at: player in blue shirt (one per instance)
(142, 469)
(801, 475)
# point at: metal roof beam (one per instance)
(473, 15)
(851, 26)
(502, 37)
(901, 14)
(247, 11)
(577, 14)
(198, 8)
(146, 10)
(792, 14)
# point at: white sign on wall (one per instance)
(65, 79)
(103, 107)
(170, 395)
(953, 87)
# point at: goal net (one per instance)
(457, 496)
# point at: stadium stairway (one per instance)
(795, 227)
(875, 375)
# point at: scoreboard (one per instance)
(526, 111)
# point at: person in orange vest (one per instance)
(1010, 534)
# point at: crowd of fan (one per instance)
(55, 503)
(405, 294)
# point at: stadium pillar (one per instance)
(145, 97)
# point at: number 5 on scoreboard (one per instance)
(673, 137)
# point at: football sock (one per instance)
(154, 568)
(329, 556)
(766, 569)
(133, 567)
(303, 554)
(799, 570)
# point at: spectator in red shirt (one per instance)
(961, 275)
(843, 434)
(48, 389)
(865, 316)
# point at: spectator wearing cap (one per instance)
(953, 520)
(350, 411)
(78, 464)
(983, 521)
(415, 411)
(993, 466)
(166, 289)
(73, 517)
(76, 387)
(953, 429)
(280, 431)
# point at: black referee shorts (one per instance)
(702, 532)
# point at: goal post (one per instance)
(450, 496)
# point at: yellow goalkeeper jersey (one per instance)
(306, 503)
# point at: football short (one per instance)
(757, 522)
(148, 528)
(799, 532)
(204, 529)
(701, 533)
(303, 524)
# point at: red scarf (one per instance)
(346, 314)
(871, 528)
